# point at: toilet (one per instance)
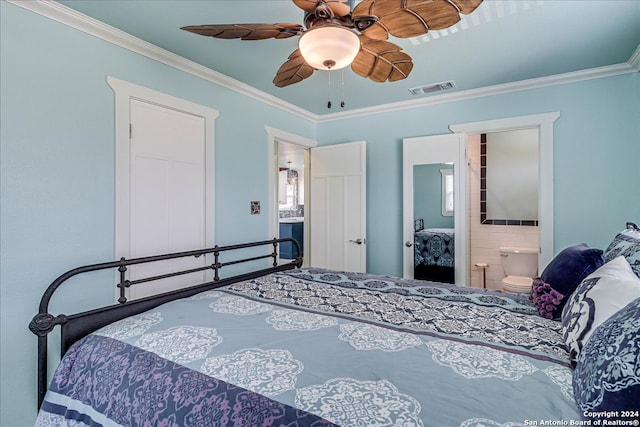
(520, 265)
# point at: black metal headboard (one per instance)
(76, 326)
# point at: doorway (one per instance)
(293, 165)
(503, 202)
(544, 123)
(334, 200)
(283, 147)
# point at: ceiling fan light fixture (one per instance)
(329, 47)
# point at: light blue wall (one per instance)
(57, 171)
(596, 158)
(57, 167)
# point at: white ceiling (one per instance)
(502, 42)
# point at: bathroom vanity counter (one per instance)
(291, 220)
(291, 227)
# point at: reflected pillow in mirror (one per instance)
(567, 270)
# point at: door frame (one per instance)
(456, 152)
(273, 136)
(124, 92)
(544, 122)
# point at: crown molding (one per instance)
(558, 79)
(634, 61)
(67, 16)
(81, 22)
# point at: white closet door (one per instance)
(338, 207)
(167, 192)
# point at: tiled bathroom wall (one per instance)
(484, 241)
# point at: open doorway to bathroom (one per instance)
(502, 190)
(293, 161)
(543, 124)
(281, 144)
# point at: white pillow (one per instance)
(600, 295)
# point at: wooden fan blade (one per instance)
(293, 71)
(467, 6)
(306, 5)
(411, 18)
(381, 60)
(246, 31)
(338, 7)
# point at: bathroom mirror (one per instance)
(288, 189)
(509, 177)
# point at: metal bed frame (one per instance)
(76, 326)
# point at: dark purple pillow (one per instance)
(567, 270)
(545, 298)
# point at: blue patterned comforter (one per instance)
(320, 348)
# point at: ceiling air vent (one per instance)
(436, 87)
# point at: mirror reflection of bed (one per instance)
(433, 213)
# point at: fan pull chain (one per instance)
(329, 91)
(342, 95)
(342, 90)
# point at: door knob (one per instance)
(408, 244)
(357, 241)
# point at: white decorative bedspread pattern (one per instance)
(342, 349)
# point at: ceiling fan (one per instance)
(334, 35)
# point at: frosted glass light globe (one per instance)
(329, 47)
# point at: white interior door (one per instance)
(167, 193)
(338, 207)
(435, 149)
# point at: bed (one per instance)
(290, 346)
(434, 253)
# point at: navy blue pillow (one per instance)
(567, 270)
(607, 375)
